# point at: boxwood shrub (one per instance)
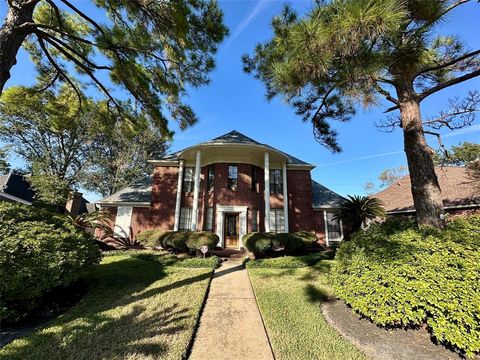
(398, 275)
(39, 251)
(180, 241)
(262, 244)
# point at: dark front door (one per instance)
(231, 230)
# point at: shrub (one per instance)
(258, 243)
(262, 244)
(147, 237)
(195, 240)
(308, 238)
(39, 251)
(399, 275)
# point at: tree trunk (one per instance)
(12, 35)
(426, 191)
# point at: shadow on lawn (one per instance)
(94, 329)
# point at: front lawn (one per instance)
(289, 300)
(135, 309)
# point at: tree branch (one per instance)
(448, 83)
(448, 63)
(60, 70)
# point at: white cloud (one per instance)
(362, 158)
(257, 9)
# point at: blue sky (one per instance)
(235, 100)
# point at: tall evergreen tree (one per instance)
(345, 52)
(153, 50)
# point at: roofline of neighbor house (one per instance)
(466, 206)
(326, 207)
(14, 198)
(123, 203)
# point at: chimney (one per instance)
(73, 203)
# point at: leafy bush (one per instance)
(286, 262)
(399, 275)
(195, 240)
(262, 244)
(178, 240)
(308, 238)
(39, 251)
(147, 237)
(211, 262)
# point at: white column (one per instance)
(285, 197)
(178, 202)
(267, 192)
(196, 190)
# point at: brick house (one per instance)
(231, 185)
(459, 193)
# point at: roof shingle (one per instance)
(457, 190)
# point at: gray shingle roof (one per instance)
(139, 192)
(324, 197)
(235, 137)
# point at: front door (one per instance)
(231, 230)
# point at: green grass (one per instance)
(134, 309)
(289, 300)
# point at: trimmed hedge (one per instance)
(211, 262)
(262, 244)
(398, 275)
(285, 262)
(178, 240)
(39, 251)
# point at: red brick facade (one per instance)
(161, 213)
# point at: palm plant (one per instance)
(94, 220)
(357, 210)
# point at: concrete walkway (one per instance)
(231, 326)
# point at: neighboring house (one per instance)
(458, 193)
(16, 188)
(231, 185)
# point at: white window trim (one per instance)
(325, 220)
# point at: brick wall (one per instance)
(164, 188)
(319, 226)
(300, 200)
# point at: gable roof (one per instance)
(457, 191)
(139, 193)
(236, 138)
(324, 198)
(15, 187)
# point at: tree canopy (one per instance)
(346, 53)
(149, 51)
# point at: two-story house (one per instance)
(231, 185)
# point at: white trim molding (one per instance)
(221, 210)
(266, 190)
(164, 162)
(285, 198)
(196, 190)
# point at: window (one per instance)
(277, 221)
(254, 178)
(254, 220)
(185, 219)
(232, 177)
(188, 179)
(210, 177)
(276, 181)
(333, 227)
(209, 219)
